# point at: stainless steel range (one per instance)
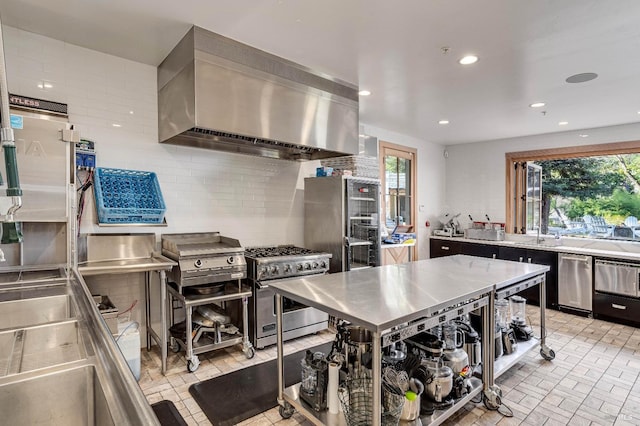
(265, 264)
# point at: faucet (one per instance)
(538, 239)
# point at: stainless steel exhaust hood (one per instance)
(217, 93)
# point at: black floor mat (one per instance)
(168, 414)
(237, 396)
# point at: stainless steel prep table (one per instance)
(415, 296)
(157, 263)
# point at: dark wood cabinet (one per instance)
(480, 250)
(539, 257)
(440, 248)
(620, 309)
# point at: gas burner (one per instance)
(276, 251)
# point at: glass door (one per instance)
(363, 227)
(398, 177)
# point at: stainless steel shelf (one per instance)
(505, 362)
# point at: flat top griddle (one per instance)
(199, 244)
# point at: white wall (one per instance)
(257, 200)
(475, 173)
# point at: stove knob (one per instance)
(231, 259)
(315, 265)
(274, 269)
(299, 267)
(307, 266)
(323, 264)
(262, 272)
(287, 268)
(197, 263)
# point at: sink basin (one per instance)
(27, 312)
(39, 347)
(69, 397)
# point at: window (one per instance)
(591, 191)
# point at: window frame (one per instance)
(579, 151)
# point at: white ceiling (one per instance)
(394, 49)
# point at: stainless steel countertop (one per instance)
(616, 249)
(379, 298)
(120, 266)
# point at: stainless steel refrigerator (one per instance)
(341, 216)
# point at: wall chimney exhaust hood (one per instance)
(217, 93)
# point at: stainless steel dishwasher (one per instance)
(575, 278)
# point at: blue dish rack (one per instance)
(128, 196)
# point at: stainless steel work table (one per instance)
(398, 301)
(154, 263)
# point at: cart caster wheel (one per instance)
(175, 347)
(492, 404)
(249, 352)
(286, 411)
(492, 398)
(548, 355)
(193, 365)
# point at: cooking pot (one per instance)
(358, 346)
(439, 379)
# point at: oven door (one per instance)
(295, 316)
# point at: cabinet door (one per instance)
(440, 248)
(520, 255)
(549, 258)
(480, 250)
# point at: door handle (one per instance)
(616, 306)
(444, 247)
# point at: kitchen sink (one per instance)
(69, 397)
(59, 365)
(38, 347)
(26, 312)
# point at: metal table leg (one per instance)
(163, 319)
(147, 307)
(546, 352)
(490, 392)
(247, 347)
(376, 381)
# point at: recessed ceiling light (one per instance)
(45, 86)
(468, 60)
(364, 93)
(116, 125)
(537, 104)
(443, 122)
(563, 123)
(583, 135)
(581, 78)
(131, 112)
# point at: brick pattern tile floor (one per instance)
(593, 379)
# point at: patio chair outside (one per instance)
(597, 226)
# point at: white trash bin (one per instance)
(128, 340)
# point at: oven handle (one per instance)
(265, 284)
(261, 285)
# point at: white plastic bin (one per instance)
(128, 340)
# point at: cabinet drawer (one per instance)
(621, 309)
